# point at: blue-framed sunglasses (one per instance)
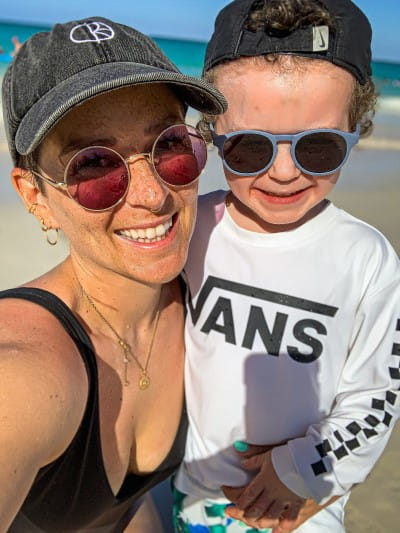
(316, 152)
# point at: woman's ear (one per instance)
(34, 199)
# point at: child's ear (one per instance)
(35, 201)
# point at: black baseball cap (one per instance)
(348, 47)
(57, 70)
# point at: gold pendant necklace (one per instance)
(144, 380)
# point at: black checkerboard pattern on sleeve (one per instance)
(376, 422)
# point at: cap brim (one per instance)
(45, 113)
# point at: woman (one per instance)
(91, 379)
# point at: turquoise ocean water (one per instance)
(189, 55)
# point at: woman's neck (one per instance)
(126, 303)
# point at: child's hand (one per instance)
(265, 501)
(308, 509)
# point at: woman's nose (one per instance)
(145, 189)
(283, 168)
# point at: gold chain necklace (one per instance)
(144, 380)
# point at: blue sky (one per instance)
(190, 19)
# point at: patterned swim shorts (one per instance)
(205, 516)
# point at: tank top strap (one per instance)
(70, 323)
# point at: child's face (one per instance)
(262, 96)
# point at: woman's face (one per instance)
(121, 239)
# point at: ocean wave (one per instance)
(379, 143)
(389, 104)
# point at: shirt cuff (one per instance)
(286, 470)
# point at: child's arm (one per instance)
(341, 449)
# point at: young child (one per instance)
(293, 334)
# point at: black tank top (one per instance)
(72, 493)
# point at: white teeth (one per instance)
(148, 234)
(160, 230)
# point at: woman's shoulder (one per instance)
(42, 397)
(43, 380)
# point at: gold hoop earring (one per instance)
(51, 239)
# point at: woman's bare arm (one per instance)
(42, 398)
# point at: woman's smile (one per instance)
(148, 234)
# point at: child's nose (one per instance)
(283, 168)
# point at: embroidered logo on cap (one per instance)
(320, 38)
(91, 32)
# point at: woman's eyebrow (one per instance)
(154, 128)
(83, 142)
(157, 127)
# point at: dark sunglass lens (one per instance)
(321, 152)
(179, 155)
(97, 178)
(248, 152)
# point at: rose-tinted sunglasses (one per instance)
(98, 178)
(317, 152)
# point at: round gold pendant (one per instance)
(144, 382)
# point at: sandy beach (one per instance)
(369, 188)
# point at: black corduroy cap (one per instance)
(348, 47)
(57, 70)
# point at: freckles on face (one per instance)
(128, 121)
(125, 118)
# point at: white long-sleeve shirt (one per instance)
(295, 337)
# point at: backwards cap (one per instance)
(348, 47)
